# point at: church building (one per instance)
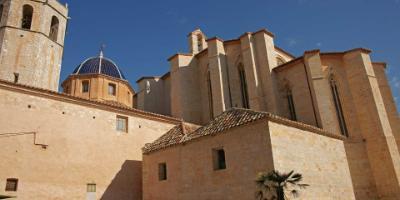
(223, 112)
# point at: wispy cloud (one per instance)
(179, 18)
(395, 82)
(319, 44)
(291, 42)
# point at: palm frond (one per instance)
(260, 195)
(295, 193)
(303, 186)
(286, 176)
(277, 181)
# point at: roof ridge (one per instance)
(183, 132)
(42, 91)
(236, 117)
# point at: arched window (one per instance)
(27, 14)
(338, 106)
(210, 96)
(243, 86)
(279, 61)
(292, 109)
(1, 12)
(54, 28)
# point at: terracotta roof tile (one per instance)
(232, 118)
(174, 136)
(227, 120)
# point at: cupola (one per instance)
(99, 78)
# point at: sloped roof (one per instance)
(232, 118)
(174, 136)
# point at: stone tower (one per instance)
(32, 36)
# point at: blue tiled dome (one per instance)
(99, 65)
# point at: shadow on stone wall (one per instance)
(127, 183)
(360, 171)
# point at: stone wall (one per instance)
(190, 167)
(375, 129)
(321, 160)
(158, 98)
(390, 104)
(295, 78)
(249, 149)
(80, 145)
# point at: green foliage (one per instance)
(275, 185)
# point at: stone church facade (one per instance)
(344, 93)
(225, 111)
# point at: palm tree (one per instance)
(278, 183)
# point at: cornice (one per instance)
(289, 64)
(6, 85)
(215, 38)
(80, 76)
(179, 54)
(285, 52)
(264, 30)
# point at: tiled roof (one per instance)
(99, 65)
(227, 120)
(115, 103)
(174, 136)
(232, 118)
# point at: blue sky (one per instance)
(141, 35)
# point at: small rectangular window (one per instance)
(85, 86)
(162, 171)
(112, 89)
(12, 184)
(16, 77)
(91, 187)
(219, 159)
(122, 124)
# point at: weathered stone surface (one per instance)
(31, 53)
(259, 146)
(81, 142)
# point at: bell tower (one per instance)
(197, 41)
(32, 36)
